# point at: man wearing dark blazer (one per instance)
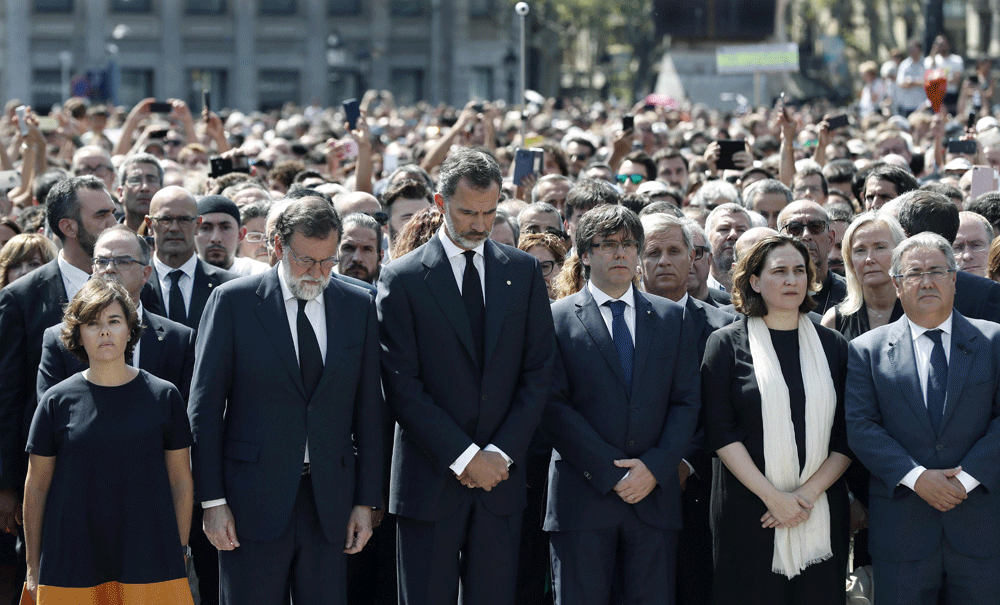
(286, 412)
(173, 219)
(621, 414)
(166, 348)
(665, 262)
(77, 210)
(466, 358)
(923, 415)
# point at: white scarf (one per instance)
(807, 543)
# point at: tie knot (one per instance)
(302, 304)
(469, 255)
(934, 335)
(175, 275)
(617, 307)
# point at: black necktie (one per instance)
(622, 337)
(472, 296)
(937, 379)
(176, 311)
(310, 357)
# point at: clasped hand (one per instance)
(786, 509)
(941, 488)
(637, 483)
(485, 470)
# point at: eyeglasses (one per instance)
(84, 169)
(308, 263)
(120, 262)
(182, 221)
(700, 252)
(254, 237)
(976, 246)
(916, 277)
(137, 181)
(611, 246)
(380, 217)
(635, 178)
(796, 229)
(547, 266)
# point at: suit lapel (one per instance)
(154, 283)
(498, 289)
(963, 346)
(904, 365)
(644, 325)
(274, 320)
(590, 317)
(203, 285)
(151, 345)
(440, 280)
(337, 326)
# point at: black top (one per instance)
(109, 516)
(786, 346)
(832, 293)
(854, 325)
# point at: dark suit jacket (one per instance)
(27, 307)
(166, 350)
(977, 297)
(593, 418)
(206, 278)
(718, 298)
(890, 432)
(251, 418)
(442, 400)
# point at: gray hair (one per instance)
(762, 188)
(542, 207)
(716, 190)
(312, 217)
(976, 217)
(657, 223)
(139, 158)
(926, 239)
(730, 208)
(477, 167)
(548, 178)
(855, 294)
(698, 230)
(144, 252)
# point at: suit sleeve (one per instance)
(210, 388)
(881, 454)
(13, 353)
(52, 369)
(368, 407)
(684, 405)
(981, 460)
(514, 434)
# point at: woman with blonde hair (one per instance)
(22, 254)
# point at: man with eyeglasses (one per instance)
(219, 235)
(636, 168)
(808, 222)
(972, 243)
(810, 184)
(923, 415)
(253, 218)
(286, 412)
(181, 281)
(622, 411)
(139, 178)
(95, 160)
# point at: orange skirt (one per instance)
(174, 592)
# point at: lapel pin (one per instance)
(159, 338)
(508, 282)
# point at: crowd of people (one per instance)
(271, 358)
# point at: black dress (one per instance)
(732, 413)
(109, 527)
(854, 325)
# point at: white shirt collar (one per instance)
(451, 249)
(684, 300)
(918, 331)
(600, 297)
(73, 274)
(286, 292)
(187, 268)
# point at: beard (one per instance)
(87, 241)
(303, 287)
(359, 271)
(467, 240)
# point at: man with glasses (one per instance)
(579, 152)
(701, 267)
(810, 184)
(139, 178)
(286, 412)
(972, 243)
(809, 222)
(636, 168)
(253, 218)
(95, 160)
(219, 235)
(181, 281)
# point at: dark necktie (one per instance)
(472, 296)
(937, 379)
(176, 311)
(622, 337)
(310, 357)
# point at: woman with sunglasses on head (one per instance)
(773, 410)
(109, 494)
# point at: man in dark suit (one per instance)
(181, 282)
(286, 412)
(166, 348)
(807, 221)
(77, 210)
(923, 414)
(919, 211)
(665, 262)
(622, 413)
(697, 283)
(466, 358)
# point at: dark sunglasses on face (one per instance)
(796, 229)
(635, 178)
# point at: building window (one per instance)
(480, 9)
(215, 80)
(277, 7)
(345, 7)
(277, 87)
(407, 86)
(407, 8)
(131, 6)
(481, 85)
(136, 85)
(53, 6)
(46, 89)
(204, 7)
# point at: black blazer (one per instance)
(251, 418)
(27, 307)
(166, 350)
(206, 278)
(977, 297)
(441, 398)
(718, 298)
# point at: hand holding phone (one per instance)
(728, 148)
(352, 111)
(527, 161)
(160, 107)
(21, 112)
(628, 123)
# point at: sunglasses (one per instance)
(796, 229)
(635, 178)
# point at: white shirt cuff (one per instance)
(493, 448)
(690, 468)
(968, 481)
(911, 477)
(212, 503)
(458, 466)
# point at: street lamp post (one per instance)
(522, 10)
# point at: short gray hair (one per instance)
(731, 208)
(715, 190)
(761, 188)
(144, 252)
(657, 223)
(976, 217)
(477, 167)
(139, 158)
(926, 239)
(548, 178)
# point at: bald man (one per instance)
(808, 222)
(357, 201)
(748, 239)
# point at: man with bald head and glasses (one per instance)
(808, 221)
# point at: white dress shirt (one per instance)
(628, 298)
(457, 260)
(244, 266)
(711, 282)
(186, 282)
(922, 348)
(72, 277)
(135, 351)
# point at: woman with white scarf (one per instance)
(773, 405)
